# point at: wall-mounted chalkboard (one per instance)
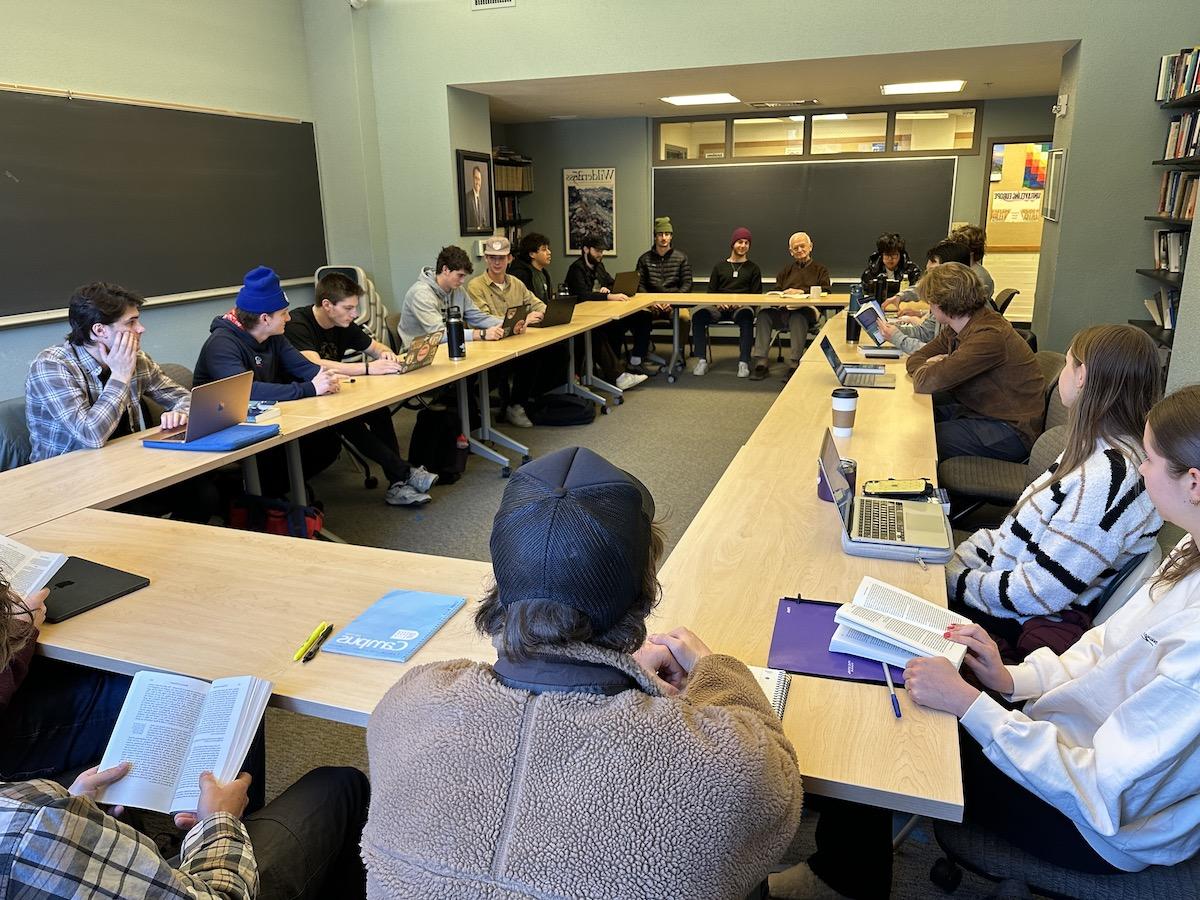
(161, 201)
(844, 206)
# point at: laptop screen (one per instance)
(839, 487)
(831, 355)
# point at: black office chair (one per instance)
(1004, 298)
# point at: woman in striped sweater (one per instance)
(1078, 523)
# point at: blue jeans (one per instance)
(960, 435)
(59, 720)
(706, 315)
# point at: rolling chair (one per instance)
(1003, 299)
(15, 446)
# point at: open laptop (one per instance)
(420, 352)
(80, 585)
(885, 528)
(514, 316)
(625, 283)
(859, 375)
(215, 406)
(559, 311)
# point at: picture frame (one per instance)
(476, 212)
(1056, 173)
(589, 206)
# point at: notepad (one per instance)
(395, 626)
(775, 684)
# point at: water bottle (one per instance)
(456, 337)
(881, 283)
(853, 329)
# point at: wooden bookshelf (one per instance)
(1164, 337)
(1171, 279)
(1180, 162)
(1168, 220)
(1183, 102)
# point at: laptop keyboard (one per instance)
(880, 520)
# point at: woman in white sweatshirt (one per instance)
(1099, 771)
(1077, 524)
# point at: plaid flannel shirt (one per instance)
(68, 407)
(56, 845)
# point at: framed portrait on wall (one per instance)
(476, 212)
(1056, 173)
(590, 206)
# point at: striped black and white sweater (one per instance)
(1062, 543)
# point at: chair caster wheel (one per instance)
(617, 401)
(371, 483)
(946, 875)
(526, 458)
(604, 410)
(505, 471)
(671, 379)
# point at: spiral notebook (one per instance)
(395, 626)
(775, 684)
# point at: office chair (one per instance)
(1004, 298)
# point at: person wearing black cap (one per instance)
(735, 275)
(587, 761)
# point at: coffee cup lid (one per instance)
(844, 392)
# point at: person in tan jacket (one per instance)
(989, 391)
(588, 761)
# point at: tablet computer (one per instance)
(80, 585)
(869, 319)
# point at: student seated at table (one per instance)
(249, 338)
(587, 761)
(736, 275)
(975, 240)
(799, 276)
(91, 388)
(55, 716)
(1099, 770)
(663, 269)
(587, 279)
(324, 333)
(890, 260)
(427, 303)
(916, 327)
(1088, 514)
(989, 392)
(531, 265)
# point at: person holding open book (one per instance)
(587, 761)
(1099, 770)
(1086, 516)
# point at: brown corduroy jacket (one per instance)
(480, 790)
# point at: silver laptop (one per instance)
(625, 283)
(856, 374)
(882, 528)
(215, 406)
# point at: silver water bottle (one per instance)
(456, 337)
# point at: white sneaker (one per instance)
(404, 494)
(701, 367)
(743, 370)
(516, 415)
(628, 380)
(421, 479)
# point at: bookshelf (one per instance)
(1178, 91)
(514, 180)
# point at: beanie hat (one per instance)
(740, 234)
(574, 529)
(261, 292)
(663, 224)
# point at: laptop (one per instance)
(883, 528)
(625, 283)
(856, 375)
(559, 311)
(80, 585)
(420, 352)
(514, 316)
(215, 406)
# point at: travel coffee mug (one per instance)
(845, 402)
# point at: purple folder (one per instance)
(800, 644)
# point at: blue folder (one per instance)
(395, 626)
(227, 439)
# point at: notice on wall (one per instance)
(1016, 206)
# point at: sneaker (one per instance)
(421, 479)
(759, 373)
(627, 380)
(516, 415)
(404, 494)
(743, 370)
(701, 366)
(641, 368)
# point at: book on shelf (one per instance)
(1183, 136)
(173, 728)
(892, 626)
(1170, 249)
(27, 570)
(1177, 194)
(1178, 74)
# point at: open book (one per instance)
(26, 569)
(889, 625)
(172, 728)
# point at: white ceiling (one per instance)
(1021, 70)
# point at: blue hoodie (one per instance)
(280, 372)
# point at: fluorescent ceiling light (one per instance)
(831, 117)
(923, 87)
(796, 118)
(700, 99)
(923, 115)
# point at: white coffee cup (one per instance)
(845, 403)
(814, 291)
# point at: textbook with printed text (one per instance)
(395, 626)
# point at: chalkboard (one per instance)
(844, 206)
(160, 201)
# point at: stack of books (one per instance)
(1183, 137)
(1177, 194)
(1178, 75)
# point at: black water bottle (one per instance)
(456, 337)
(853, 329)
(881, 284)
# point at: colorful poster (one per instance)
(1035, 166)
(590, 206)
(1016, 206)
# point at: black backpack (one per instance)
(439, 445)
(561, 409)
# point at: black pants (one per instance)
(317, 453)
(639, 325)
(194, 500)
(539, 372)
(374, 436)
(854, 842)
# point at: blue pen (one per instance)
(887, 673)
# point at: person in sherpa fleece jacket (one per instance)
(578, 765)
(1078, 523)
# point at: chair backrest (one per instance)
(1056, 410)
(15, 448)
(1004, 298)
(1126, 583)
(1051, 364)
(392, 322)
(1045, 451)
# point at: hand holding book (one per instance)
(934, 682)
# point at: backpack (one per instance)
(439, 445)
(561, 409)
(252, 513)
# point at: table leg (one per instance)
(675, 366)
(250, 478)
(477, 446)
(297, 491)
(589, 368)
(578, 388)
